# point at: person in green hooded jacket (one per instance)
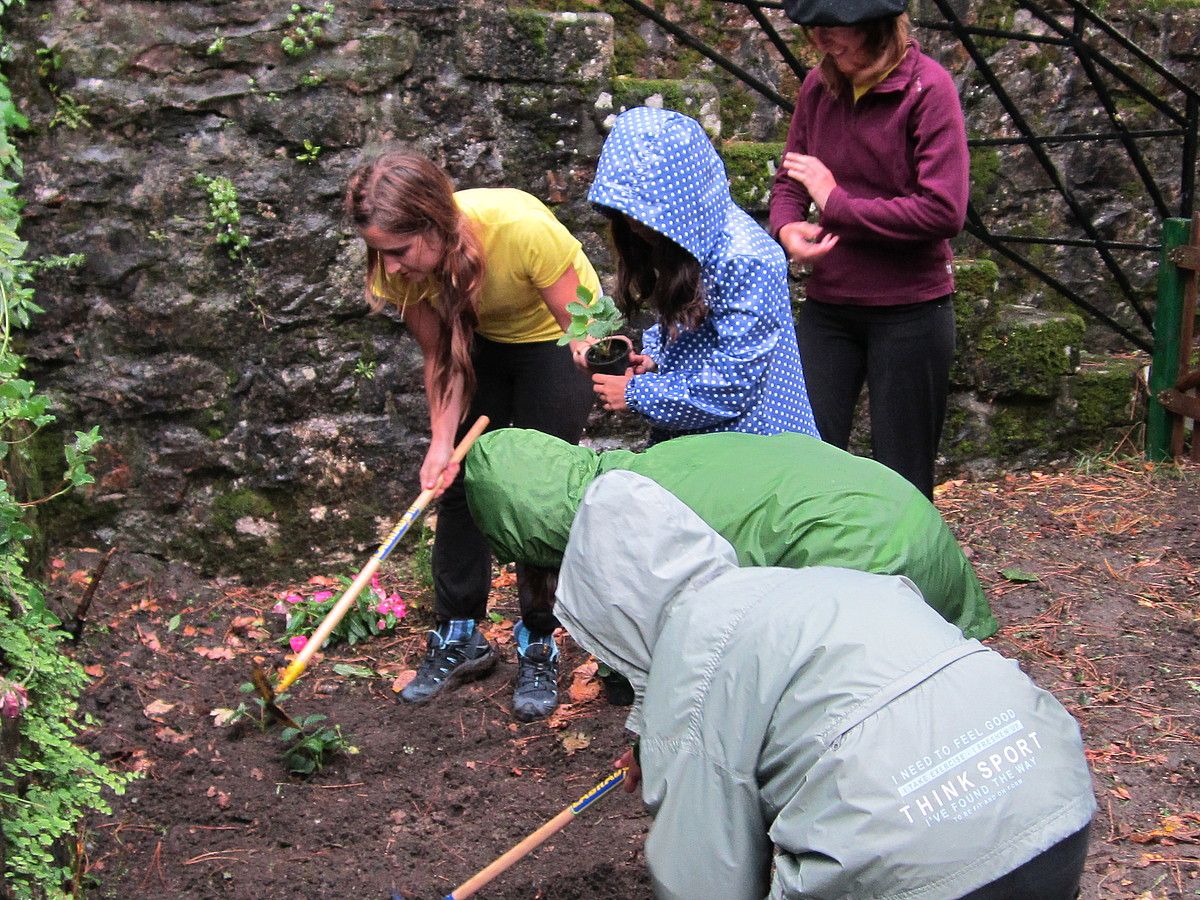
(785, 500)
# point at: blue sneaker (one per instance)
(536, 695)
(451, 658)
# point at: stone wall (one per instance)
(255, 417)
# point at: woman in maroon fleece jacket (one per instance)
(877, 144)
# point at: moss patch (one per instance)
(1026, 351)
(751, 169)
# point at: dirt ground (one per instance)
(1092, 573)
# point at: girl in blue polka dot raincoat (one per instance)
(722, 355)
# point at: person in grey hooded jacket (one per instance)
(722, 354)
(820, 732)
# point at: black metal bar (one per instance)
(700, 47)
(1187, 185)
(1145, 58)
(1080, 137)
(1074, 242)
(1109, 65)
(1110, 109)
(976, 229)
(1039, 153)
(777, 40)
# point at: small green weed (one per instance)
(311, 745)
(217, 47)
(224, 217)
(306, 26)
(69, 112)
(310, 152)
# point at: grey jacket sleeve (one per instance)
(708, 837)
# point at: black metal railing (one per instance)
(1105, 56)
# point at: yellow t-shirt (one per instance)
(525, 249)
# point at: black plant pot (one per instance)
(609, 356)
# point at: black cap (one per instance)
(841, 12)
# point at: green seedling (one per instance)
(595, 317)
(312, 744)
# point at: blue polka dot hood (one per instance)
(739, 369)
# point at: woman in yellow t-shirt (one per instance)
(482, 278)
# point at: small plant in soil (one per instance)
(312, 744)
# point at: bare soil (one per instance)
(1093, 575)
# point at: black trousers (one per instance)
(904, 353)
(525, 386)
(1051, 875)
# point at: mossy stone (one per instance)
(751, 169)
(1025, 352)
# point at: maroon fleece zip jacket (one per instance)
(899, 156)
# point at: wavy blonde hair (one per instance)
(404, 194)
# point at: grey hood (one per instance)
(615, 595)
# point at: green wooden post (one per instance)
(1168, 323)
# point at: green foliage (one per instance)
(365, 369)
(50, 783)
(69, 112)
(306, 26)
(372, 613)
(311, 78)
(311, 745)
(596, 317)
(224, 217)
(310, 152)
(217, 46)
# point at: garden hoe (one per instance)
(297, 666)
(533, 840)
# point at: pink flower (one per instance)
(381, 624)
(293, 598)
(279, 608)
(297, 642)
(321, 596)
(377, 587)
(13, 699)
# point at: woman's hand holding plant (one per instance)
(579, 351)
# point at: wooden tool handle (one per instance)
(297, 665)
(555, 825)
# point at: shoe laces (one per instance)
(532, 671)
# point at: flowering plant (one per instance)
(373, 612)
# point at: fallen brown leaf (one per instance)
(215, 652)
(171, 736)
(401, 681)
(96, 671)
(156, 709)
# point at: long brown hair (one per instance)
(886, 41)
(657, 272)
(405, 194)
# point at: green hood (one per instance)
(781, 500)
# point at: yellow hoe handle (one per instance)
(297, 666)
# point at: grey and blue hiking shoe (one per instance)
(457, 652)
(536, 695)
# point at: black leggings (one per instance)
(1051, 875)
(904, 354)
(525, 386)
